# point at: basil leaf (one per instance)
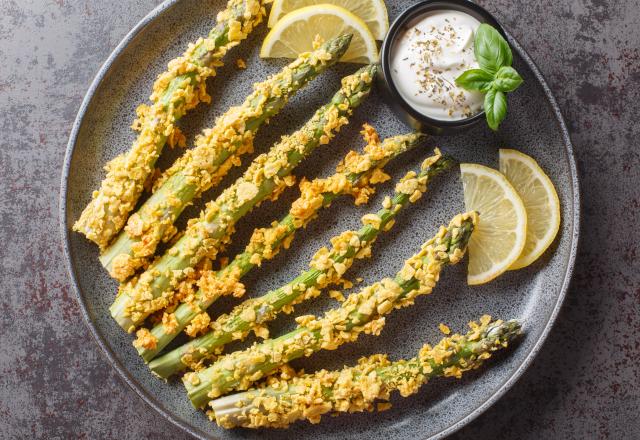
(475, 79)
(491, 50)
(495, 108)
(507, 79)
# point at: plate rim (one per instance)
(151, 400)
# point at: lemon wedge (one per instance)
(500, 236)
(295, 33)
(372, 12)
(540, 200)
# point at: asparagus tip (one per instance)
(339, 45)
(504, 331)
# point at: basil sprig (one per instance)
(495, 77)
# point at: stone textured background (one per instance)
(54, 383)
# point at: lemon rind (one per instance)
(487, 276)
(526, 260)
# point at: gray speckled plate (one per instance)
(533, 295)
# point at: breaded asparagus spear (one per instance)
(267, 175)
(354, 176)
(216, 151)
(282, 401)
(327, 267)
(175, 92)
(361, 312)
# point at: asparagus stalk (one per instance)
(327, 267)
(267, 175)
(354, 175)
(283, 401)
(175, 92)
(216, 151)
(361, 312)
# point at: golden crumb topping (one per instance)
(176, 91)
(169, 322)
(216, 151)
(361, 312)
(145, 339)
(327, 267)
(289, 396)
(212, 230)
(199, 324)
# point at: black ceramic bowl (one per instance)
(402, 108)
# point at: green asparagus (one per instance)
(362, 312)
(217, 150)
(282, 401)
(354, 175)
(267, 175)
(175, 92)
(327, 267)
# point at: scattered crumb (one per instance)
(337, 295)
(444, 329)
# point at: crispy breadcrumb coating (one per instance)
(362, 312)
(290, 396)
(199, 169)
(154, 289)
(326, 267)
(181, 88)
(265, 243)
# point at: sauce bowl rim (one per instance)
(397, 28)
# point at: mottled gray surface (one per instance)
(54, 382)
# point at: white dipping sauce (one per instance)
(434, 50)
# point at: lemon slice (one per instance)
(295, 33)
(540, 200)
(372, 12)
(499, 238)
